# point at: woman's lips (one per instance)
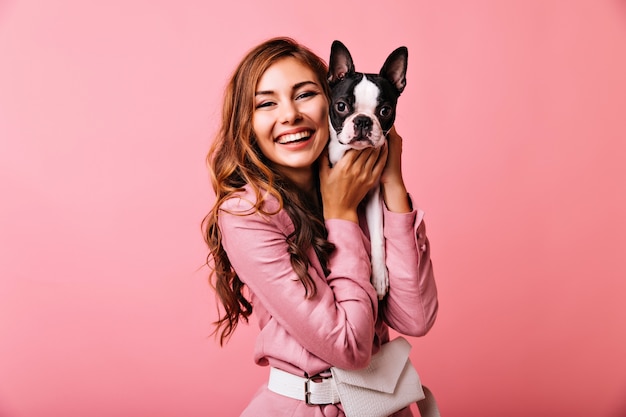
(294, 137)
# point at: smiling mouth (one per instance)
(294, 137)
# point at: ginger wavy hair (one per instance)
(235, 160)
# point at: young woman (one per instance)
(286, 234)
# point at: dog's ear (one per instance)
(340, 63)
(394, 69)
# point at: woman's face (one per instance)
(290, 118)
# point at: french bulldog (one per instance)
(362, 111)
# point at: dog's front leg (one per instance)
(374, 217)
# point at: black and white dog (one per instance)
(362, 110)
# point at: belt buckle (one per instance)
(307, 391)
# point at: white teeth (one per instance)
(294, 137)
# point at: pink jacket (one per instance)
(344, 324)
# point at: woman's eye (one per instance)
(307, 94)
(385, 111)
(264, 104)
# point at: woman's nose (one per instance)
(289, 112)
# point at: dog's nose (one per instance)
(362, 125)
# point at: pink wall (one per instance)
(515, 146)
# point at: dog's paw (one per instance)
(380, 279)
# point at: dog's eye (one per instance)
(385, 111)
(341, 106)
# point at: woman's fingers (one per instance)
(345, 185)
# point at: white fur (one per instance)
(374, 217)
(366, 95)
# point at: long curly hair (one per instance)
(235, 160)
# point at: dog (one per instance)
(362, 111)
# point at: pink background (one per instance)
(515, 135)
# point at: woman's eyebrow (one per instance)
(295, 87)
(303, 83)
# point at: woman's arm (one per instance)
(411, 304)
(392, 184)
(337, 324)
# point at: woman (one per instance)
(286, 234)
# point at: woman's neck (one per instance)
(304, 181)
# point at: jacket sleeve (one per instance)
(411, 305)
(337, 324)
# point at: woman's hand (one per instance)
(344, 185)
(393, 188)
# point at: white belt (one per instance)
(315, 390)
